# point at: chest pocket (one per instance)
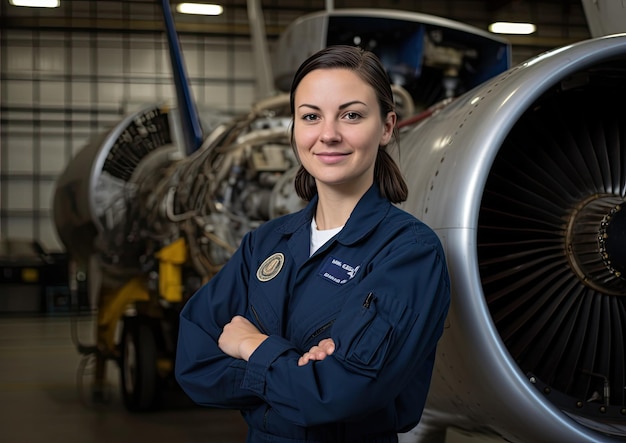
(362, 335)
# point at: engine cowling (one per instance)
(524, 180)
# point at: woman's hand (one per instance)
(240, 338)
(319, 352)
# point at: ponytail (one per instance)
(389, 178)
(305, 184)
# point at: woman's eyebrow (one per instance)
(343, 106)
(305, 105)
(353, 102)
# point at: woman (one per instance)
(323, 325)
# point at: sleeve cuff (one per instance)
(260, 361)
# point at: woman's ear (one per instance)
(388, 127)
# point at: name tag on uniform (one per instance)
(338, 271)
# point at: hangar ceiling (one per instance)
(559, 22)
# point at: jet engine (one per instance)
(524, 180)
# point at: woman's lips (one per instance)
(330, 157)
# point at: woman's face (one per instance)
(338, 128)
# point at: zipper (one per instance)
(258, 320)
(368, 300)
(321, 329)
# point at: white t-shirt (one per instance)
(318, 238)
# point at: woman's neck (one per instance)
(334, 207)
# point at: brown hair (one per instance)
(369, 68)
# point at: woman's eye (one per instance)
(309, 117)
(352, 115)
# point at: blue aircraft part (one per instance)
(190, 121)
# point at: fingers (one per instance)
(319, 352)
(308, 356)
(327, 345)
(311, 355)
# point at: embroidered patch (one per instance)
(270, 267)
(337, 271)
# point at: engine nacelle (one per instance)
(524, 180)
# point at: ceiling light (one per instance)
(36, 3)
(512, 28)
(199, 8)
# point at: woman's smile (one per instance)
(331, 158)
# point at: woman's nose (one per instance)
(330, 132)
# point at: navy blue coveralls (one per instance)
(379, 289)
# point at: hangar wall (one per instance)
(59, 90)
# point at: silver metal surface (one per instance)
(477, 385)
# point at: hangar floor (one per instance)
(41, 399)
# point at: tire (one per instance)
(139, 381)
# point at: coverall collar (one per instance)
(367, 214)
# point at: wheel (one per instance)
(140, 383)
